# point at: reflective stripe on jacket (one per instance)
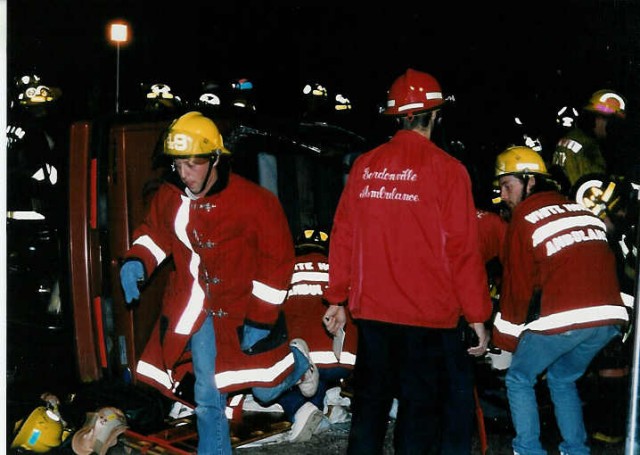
(233, 255)
(559, 249)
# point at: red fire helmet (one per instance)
(413, 92)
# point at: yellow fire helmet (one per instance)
(520, 160)
(40, 432)
(193, 134)
(607, 103)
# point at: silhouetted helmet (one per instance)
(342, 103)
(315, 89)
(243, 94)
(566, 116)
(31, 91)
(607, 103)
(312, 239)
(159, 95)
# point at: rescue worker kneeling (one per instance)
(552, 314)
(221, 315)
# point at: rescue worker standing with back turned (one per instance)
(233, 255)
(404, 253)
(560, 301)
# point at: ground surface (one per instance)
(335, 442)
(45, 371)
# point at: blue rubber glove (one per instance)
(131, 274)
(251, 335)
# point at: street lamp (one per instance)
(119, 34)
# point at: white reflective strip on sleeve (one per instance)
(348, 358)
(328, 358)
(196, 297)
(574, 146)
(230, 378)
(553, 227)
(268, 294)
(623, 246)
(309, 276)
(578, 316)
(506, 327)
(228, 412)
(25, 215)
(149, 244)
(627, 299)
(160, 376)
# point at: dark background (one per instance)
(497, 58)
(490, 55)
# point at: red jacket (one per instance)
(404, 244)
(233, 255)
(491, 231)
(560, 248)
(304, 309)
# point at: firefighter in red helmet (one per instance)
(405, 261)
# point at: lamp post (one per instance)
(119, 33)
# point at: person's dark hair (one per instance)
(587, 121)
(420, 120)
(544, 183)
(224, 169)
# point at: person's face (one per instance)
(511, 190)
(600, 128)
(193, 171)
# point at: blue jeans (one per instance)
(565, 357)
(213, 426)
(267, 395)
(293, 399)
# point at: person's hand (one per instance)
(334, 318)
(251, 335)
(483, 340)
(131, 274)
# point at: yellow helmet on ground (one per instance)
(607, 103)
(193, 134)
(520, 160)
(40, 432)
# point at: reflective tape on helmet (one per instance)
(410, 106)
(180, 142)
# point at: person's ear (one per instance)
(531, 182)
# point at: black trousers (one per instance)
(431, 375)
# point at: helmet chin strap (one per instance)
(525, 180)
(212, 164)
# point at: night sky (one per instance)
(493, 56)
